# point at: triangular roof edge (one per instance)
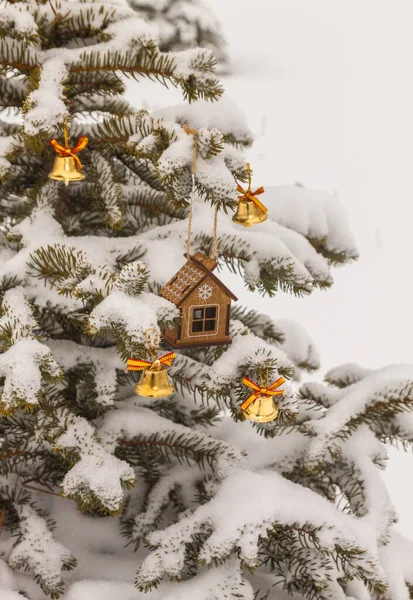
(206, 272)
(223, 287)
(213, 277)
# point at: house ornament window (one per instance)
(204, 319)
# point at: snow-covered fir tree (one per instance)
(182, 24)
(213, 506)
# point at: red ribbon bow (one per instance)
(65, 151)
(250, 195)
(138, 364)
(261, 391)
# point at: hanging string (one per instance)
(191, 210)
(191, 131)
(215, 244)
(66, 134)
(2, 517)
(152, 341)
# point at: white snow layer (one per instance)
(316, 215)
(38, 549)
(253, 495)
(97, 473)
(217, 584)
(393, 382)
(224, 115)
(23, 365)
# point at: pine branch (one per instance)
(185, 447)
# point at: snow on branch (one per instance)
(102, 365)
(38, 551)
(193, 71)
(221, 583)
(318, 216)
(7, 145)
(345, 375)
(143, 427)
(8, 584)
(25, 367)
(12, 92)
(245, 510)
(98, 479)
(111, 191)
(223, 115)
(365, 489)
(272, 258)
(46, 106)
(157, 500)
(17, 321)
(124, 44)
(17, 17)
(246, 351)
(379, 396)
(298, 345)
(18, 56)
(396, 559)
(128, 317)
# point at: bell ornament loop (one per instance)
(65, 169)
(262, 410)
(154, 382)
(248, 214)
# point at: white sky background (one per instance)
(327, 90)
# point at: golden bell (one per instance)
(154, 382)
(262, 410)
(248, 214)
(65, 169)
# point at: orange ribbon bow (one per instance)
(138, 364)
(250, 195)
(65, 151)
(261, 391)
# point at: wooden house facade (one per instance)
(204, 302)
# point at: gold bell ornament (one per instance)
(260, 406)
(154, 382)
(67, 166)
(250, 210)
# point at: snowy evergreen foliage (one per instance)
(294, 506)
(183, 24)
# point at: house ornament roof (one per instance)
(197, 268)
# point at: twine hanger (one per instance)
(191, 131)
(151, 336)
(66, 134)
(263, 380)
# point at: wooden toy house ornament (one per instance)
(204, 302)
